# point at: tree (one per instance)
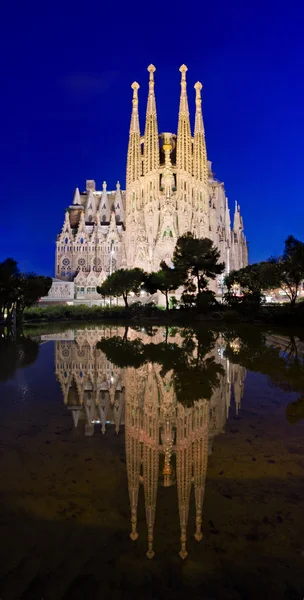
(198, 259)
(122, 282)
(19, 290)
(251, 281)
(9, 274)
(30, 288)
(165, 280)
(289, 268)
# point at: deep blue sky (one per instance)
(65, 107)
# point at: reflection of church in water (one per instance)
(164, 439)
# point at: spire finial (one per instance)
(183, 69)
(104, 185)
(135, 87)
(118, 185)
(151, 70)
(198, 88)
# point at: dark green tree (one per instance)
(165, 280)
(122, 282)
(289, 268)
(198, 259)
(30, 288)
(250, 282)
(9, 275)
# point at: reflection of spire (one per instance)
(200, 459)
(183, 470)
(132, 436)
(150, 456)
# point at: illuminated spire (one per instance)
(183, 148)
(134, 157)
(118, 205)
(151, 147)
(81, 226)
(200, 166)
(66, 228)
(76, 199)
(237, 219)
(104, 207)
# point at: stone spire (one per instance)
(183, 147)
(90, 206)
(81, 226)
(200, 166)
(237, 220)
(104, 207)
(118, 205)
(66, 228)
(134, 156)
(151, 147)
(76, 199)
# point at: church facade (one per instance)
(170, 190)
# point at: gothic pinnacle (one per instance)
(183, 146)
(151, 148)
(133, 158)
(135, 87)
(151, 70)
(198, 88)
(183, 69)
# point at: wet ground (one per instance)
(65, 508)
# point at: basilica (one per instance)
(170, 190)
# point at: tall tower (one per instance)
(151, 146)
(136, 234)
(133, 158)
(184, 143)
(150, 180)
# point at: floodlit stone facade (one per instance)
(170, 189)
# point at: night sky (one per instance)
(65, 107)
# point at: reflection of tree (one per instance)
(16, 353)
(194, 375)
(274, 356)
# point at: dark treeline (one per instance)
(19, 290)
(196, 264)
